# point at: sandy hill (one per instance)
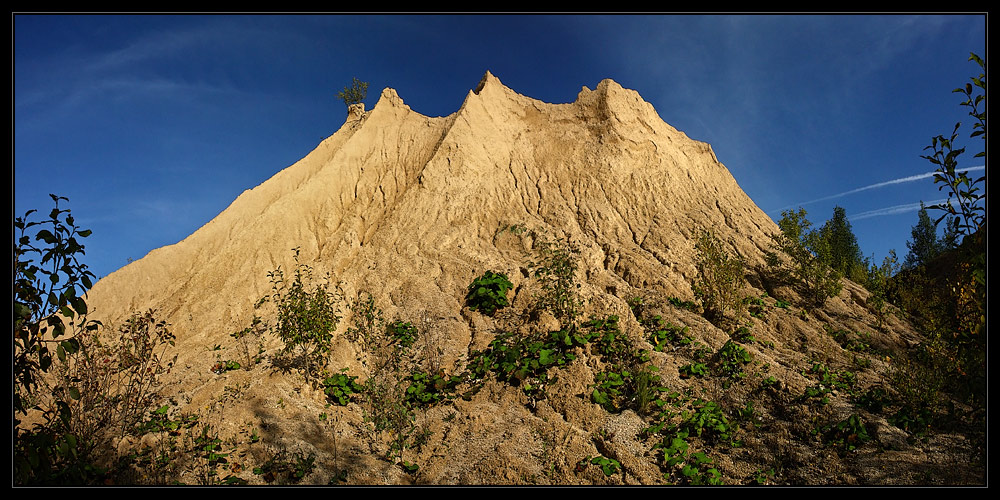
(411, 209)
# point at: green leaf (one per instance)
(45, 235)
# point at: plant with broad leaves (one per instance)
(426, 389)
(609, 466)
(488, 293)
(340, 387)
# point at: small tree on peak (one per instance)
(354, 94)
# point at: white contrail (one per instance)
(883, 184)
(897, 209)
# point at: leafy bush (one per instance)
(743, 335)
(556, 268)
(524, 361)
(961, 188)
(683, 304)
(609, 466)
(402, 333)
(849, 434)
(663, 333)
(488, 293)
(116, 378)
(696, 417)
(426, 389)
(340, 387)
(720, 279)
(694, 370)
(878, 286)
(307, 315)
(286, 468)
(732, 357)
(829, 380)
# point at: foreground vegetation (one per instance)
(103, 380)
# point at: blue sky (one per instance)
(152, 125)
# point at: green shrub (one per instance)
(849, 434)
(683, 304)
(403, 334)
(829, 380)
(720, 279)
(609, 466)
(556, 269)
(427, 389)
(488, 293)
(286, 468)
(878, 286)
(743, 335)
(524, 361)
(694, 370)
(307, 316)
(963, 191)
(662, 333)
(732, 357)
(340, 387)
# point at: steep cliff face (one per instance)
(411, 209)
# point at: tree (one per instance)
(811, 256)
(950, 239)
(354, 94)
(845, 254)
(924, 244)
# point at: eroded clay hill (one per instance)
(411, 209)
(408, 206)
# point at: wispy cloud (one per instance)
(900, 180)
